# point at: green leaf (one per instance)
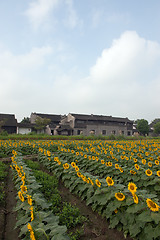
(114, 222)
(60, 237)
(157, 232)
(155, 217)
(101, 199)
(145, 216)
(23, 220)
(135, 207)
(149, 232)
(134, 229)
(23, 230)
(58, 230)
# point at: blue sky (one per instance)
(81, 56)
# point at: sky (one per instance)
(80, 56)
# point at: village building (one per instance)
(25, 128)
(77, 124)
(50, 128)
(71, 124)
(8, 123)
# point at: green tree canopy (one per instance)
(41, 123)
(25, 120)
(157, 128)
(142, 126)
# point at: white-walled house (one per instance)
(24, 128)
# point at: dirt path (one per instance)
(7, 215)
(10, 217)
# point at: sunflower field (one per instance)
(119, 179)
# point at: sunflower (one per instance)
(102, 161)
(110, 164)
(158, 173)
(135, 159)
(93, 157)
(77, 153)
(132, 187)
(136, 166)
(135, 198)
(122, 157)
(149, 164)
(132, 172)
(148, 172)
(106, 164)
(29, 200)
(77, 169)
(66, 166)
(152, 205)
(143, 161)
(156, 162)
(48, 153)
(23, 189)
(91, 181)
(20, 195)
(32, 237)
(120, 196)
(121, 169)
(85, 156)
(116, 166)
(97, 158)
(32, 216)
(109, 181)
(56, 159)
(78, 174)
(98, 183)
(73, 164)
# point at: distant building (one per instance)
(25, 128)
(8, 123)
(77, 124)
(50, 128)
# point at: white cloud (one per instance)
(124, 81)
(39, 10)
(21, 77)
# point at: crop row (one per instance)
(35, 220)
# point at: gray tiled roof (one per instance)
(9, 119)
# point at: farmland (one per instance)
(118, 180)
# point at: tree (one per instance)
(142, 126)
(155, 121)
(41, 123)
(157, 128)
(25, 120)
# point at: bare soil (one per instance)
(7, 214)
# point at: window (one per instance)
(122, 132)
(103, 132)
(78, 132)
(92, 132)
(80, 121)
(129, 133)
(113, 132)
